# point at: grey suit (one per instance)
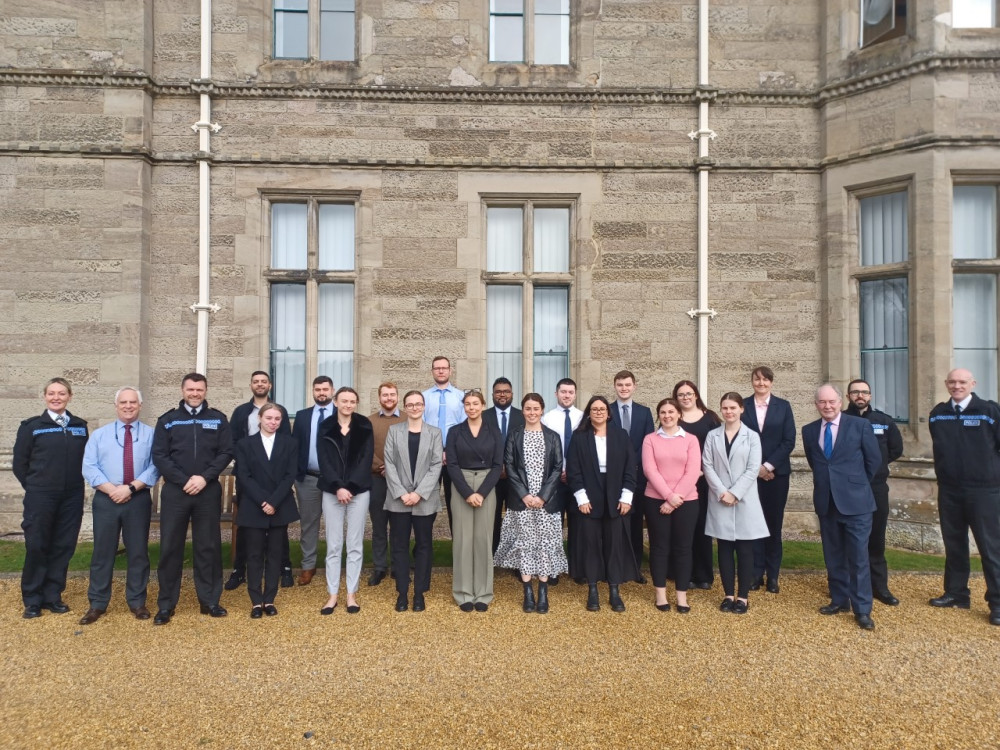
(419, 518)
(735, 473)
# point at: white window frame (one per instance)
(319, 12)
(531, 11)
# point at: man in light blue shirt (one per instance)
(118, 464)
(444, 409)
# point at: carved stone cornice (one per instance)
(876, 79)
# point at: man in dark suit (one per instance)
(771, 418)
(244, 422)
(844, 456)
(310, 497)
(507, 418)
(637, 421)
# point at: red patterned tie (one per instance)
(128, 468)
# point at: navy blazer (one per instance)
(583, 470)
(302, 433)
(260, 479)
(778, 438)
(514, 422)
(642, 425)
(846, 476)
(238, 422)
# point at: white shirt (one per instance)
(55, 417)
(964, 403)
(253, 422)
(268, 444)
(680, 433)
(555, 419)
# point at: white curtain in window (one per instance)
(336, 236)
(288, 344)
(974, 221)
(551, 32)
(288, 235)
(336, 333)
(974, 329)
(551, 245)
(551, 338)
(291, 28)
(504, 239)
(336, 30)
(504, 353)
(885, 344)
(883, 232)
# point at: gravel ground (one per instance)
(781, 676)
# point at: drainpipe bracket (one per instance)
(211, 307)
(695, 134)
(201, 125)
(710, 313)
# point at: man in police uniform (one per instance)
(192, 446)
(965, 431)
(859, 396)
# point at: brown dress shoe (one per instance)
(140, 612)
(306, 576)
(92, 616)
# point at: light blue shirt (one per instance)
(313, 460)
(454, 410)
(103, 458)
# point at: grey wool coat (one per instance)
(398, 478)
(735, 473)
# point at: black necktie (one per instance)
(567, 433)
(958, 410)
(503, 424)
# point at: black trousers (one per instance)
(400, 526)
(130, 522)
(204, 511)
(768, 551)
(670, 534)
(240, 548)
(876, 542)
(605, 549)
(961, 509)
(742, 549)
(446, 491)
(51, 526)
(703, 570)
(502, 488)
(264, 551)
(380, 524)
(634, 524)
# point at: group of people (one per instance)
(693, 475)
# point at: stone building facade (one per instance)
(426, 149)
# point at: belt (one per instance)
(313, 474)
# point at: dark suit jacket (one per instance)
(778, 438)
(517, 475)
(350, 468)
(238, 422)
(845, 477)
(642, 425)
(515, 421)
(266, 480)
(302, 434)
(582, 470)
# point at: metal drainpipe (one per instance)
(204, 127)
(705, 94)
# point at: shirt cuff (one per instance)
(581, 497)
(626, 498)
(768, 466)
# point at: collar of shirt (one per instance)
(382, 413)
(120, 426)
(53, 416)
(680, 433)
(964, 403)
(192, 410)
(835, 421)
(762, 404)
(268, 441)
(623, 403)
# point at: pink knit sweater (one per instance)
(672, 466)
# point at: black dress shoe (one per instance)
(703, 585)
(593, 600)
(772, 587)
(614, 599)
(481, 606)
(580, 581)
(641, 579)
(469, 606)
(949, 600)
(683, 609)
(864, 622)
(401, 603)
(995, 617)
(58, 606)
(32, 611)
(418, 603)
(833, 609)
(236, 579)
(755, 586)
(256, 612)
(887, 598)
(553, 581)
(214, 610)
(376, 577)
(270, 610)
(663, 607)
(740, 608)
(287, 579)
(140, 612)
(163, 617)
(727, 605)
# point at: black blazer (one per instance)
(778, 438)
(517, 475)
(303, 433)
(460, 442)
(583, 472)
(350, 469)
(642, 425)
(514, 422)
(265, 480)
(238, 422)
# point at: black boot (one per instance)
(614, 599)
(529, 597)
(543, 597)
(593, 602)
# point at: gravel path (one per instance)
(781, 676)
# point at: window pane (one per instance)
(288, 345)
(551, 40)
(507, 6)
(883, 233)
(551, 239)
(336, 30)
(507, 38)
(551, 338)
(974, 329)
(288, 235)
(503, 335)
(885, 344)
(974, 221)
(291, 28)
(336, 236)
(973, 14)
(336, 333)
(504, 239)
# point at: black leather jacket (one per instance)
(517, 475)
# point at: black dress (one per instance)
(702, 571)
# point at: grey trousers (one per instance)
(380, 524)
(310, 499)
(472, 544)
(131, 521)
(354, 515)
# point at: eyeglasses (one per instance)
(417, 405)
(685, 395)
(598, 410)
(503, 392)
(859, 393)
